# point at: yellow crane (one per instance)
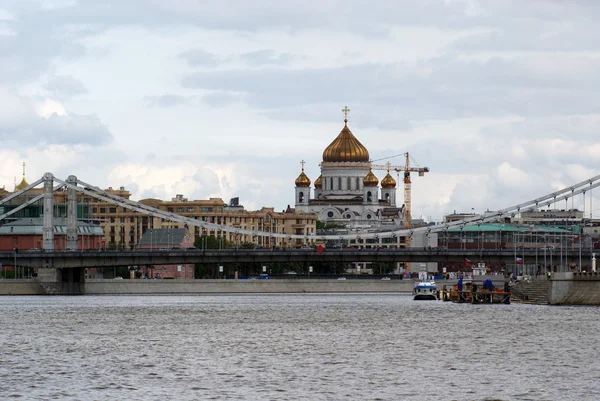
(407, 169)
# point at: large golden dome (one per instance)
(319, 182)
(302, 180)
(388, 181)
(370, 180)
(345, 148)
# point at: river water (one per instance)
(294, 347)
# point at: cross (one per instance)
(23, 169)
(345, 110)
(302, 162)
(388, 164)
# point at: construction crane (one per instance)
(407, 169)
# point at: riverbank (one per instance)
(136, 287)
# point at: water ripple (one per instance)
(282, 347)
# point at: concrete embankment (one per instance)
(20, 287)
(132, 287)
(575, 289)
(242, 286)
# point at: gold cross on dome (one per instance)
(345, 110)
(388, 164)
(302, 162)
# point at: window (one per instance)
(330, 214)
(369, 197)
(179, 210)
(349, 183)
(339, 183)
(331, 183)
(113, 210)
(102, 210)
(206, 209)
(300, 197)
(190, 209)
(357, 183)
(369, 217)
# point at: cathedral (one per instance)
(347, 192)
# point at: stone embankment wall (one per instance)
(242, 286)
(123, 287)
(20, 287)
(575, 289)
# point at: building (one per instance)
(349, 198)
(27, 234)
(123, 228)
(163, 239)
(347, 192)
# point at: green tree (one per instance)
(212, 242)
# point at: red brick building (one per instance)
(26, 234)
(167, 239)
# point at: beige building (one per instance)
(123, 228)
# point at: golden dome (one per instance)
(318, 183)
(345, 148)
(302, 180)
(388, 181)
(370, 180)
(23, 182)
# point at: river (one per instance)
(294, 347)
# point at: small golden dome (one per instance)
(302, 180)
(345, 148)
(370, 180)
(22, 184)
(318, 182)
(388, 181)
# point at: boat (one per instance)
(485, 293)
(425, 290)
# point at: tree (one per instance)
(212, 242)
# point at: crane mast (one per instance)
(407, 169)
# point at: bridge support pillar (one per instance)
(61, 281)
(72, 214)
(48, 233)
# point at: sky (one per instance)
(499, 98)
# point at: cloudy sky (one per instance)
(499, 98)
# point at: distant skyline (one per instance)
(497, 97)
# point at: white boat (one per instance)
(425, 290)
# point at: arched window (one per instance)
(369, 197)
(331, 183)
(349, 183)
(357, 182)
(340, 183)
(301, 197)
(387, 197)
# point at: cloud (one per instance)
(266, 57)
(199, 58)
(220, 99)
(65, 86)
(166, 101)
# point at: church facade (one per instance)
(347, 191)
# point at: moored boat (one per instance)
(425, 291)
